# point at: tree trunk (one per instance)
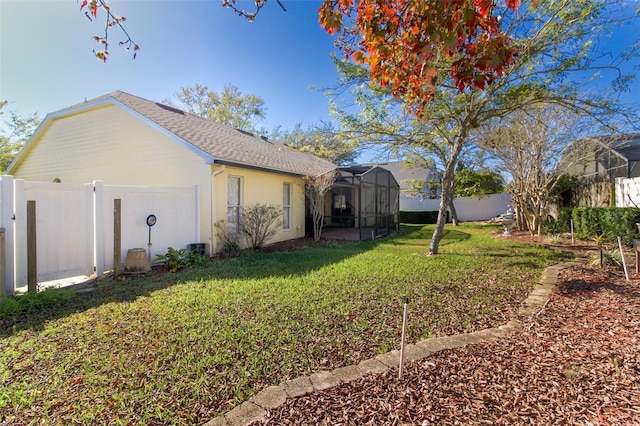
(454, 213)
(439, 231)
(318, 216)
(447, 191)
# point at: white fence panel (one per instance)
(627, 192)
(176, 211)
(481, 208)
(64, 228)
(468, 208)
(6, 222)
(418, 203)
(75, 225)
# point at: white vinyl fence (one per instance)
(469, 209)
(481, 208)
(75, 225)
(628, 192)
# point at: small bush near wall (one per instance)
(563, 224)
(611, 222)
(424, 217)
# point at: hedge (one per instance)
(424, 217)
(562, 225)
(611, 222)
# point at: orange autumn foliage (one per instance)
(406, 43)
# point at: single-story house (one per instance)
(122, 139)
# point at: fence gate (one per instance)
(64, 229)
(74, 229)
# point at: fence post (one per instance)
(32, 258)
(117, 237)
(3, 265)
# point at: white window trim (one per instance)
(287, 206)
(239, 205)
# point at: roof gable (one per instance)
(215, 142)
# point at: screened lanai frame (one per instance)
(365, 198)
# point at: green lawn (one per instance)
(182, 348)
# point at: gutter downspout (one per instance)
(214, 216)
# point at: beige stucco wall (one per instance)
(264, 188)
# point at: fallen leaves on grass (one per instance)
(577, 362)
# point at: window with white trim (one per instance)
(234, 206)
(286, 206)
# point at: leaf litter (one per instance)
(577, 361)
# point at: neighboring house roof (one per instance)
(216, 142)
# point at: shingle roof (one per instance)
(224, 143)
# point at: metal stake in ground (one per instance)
(572, 241)
(624, 262)
(404, 334)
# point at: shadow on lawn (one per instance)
(58, 303)
(32, 311)
(422, 237)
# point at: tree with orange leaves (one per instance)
(405, 42)
(558, 57)
(468, 61)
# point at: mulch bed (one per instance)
(576, 362)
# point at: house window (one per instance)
(340, 201)
(286, 206)
(234, 207)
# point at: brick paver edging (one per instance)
(272, 397)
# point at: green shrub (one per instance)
(420, 218)
(194, 258)
(174, 259)
(611, 222)
(553, 227)
(562, 225)
(230, 249)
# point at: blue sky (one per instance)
(47, 61)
